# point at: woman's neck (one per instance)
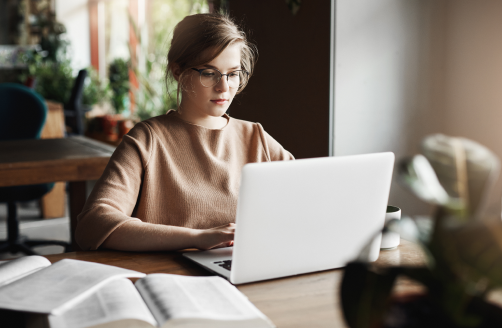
(207, 121)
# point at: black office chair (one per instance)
(22, 116)
(73, 110)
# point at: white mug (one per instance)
(391, 240)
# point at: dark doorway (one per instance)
(289, 92)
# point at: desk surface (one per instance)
(309, 300)
(38, 161)
(73, 159)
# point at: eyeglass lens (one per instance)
(210, 78)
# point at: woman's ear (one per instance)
(176, 72)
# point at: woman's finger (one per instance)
(221, 245)
(226, 226)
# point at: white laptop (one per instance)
(303, 216)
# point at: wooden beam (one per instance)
(94, 39)
(133, 46)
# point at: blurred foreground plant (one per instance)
(464, 254)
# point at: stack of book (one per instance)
(76, 294)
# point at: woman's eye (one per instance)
(234, 74)
(208, 74)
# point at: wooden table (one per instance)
(74, 160)
(309, 300)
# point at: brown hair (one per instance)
(197, 33)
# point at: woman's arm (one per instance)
(112, 201)
(140, 236)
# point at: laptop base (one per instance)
(212, 260)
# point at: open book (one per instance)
(164, 300)
(32, 284)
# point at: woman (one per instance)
(173, 182)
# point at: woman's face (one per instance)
(212, 101)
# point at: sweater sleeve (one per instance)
(274, 150)
(115, 194)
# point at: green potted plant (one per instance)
(53, 80)
(119, 84)
(96, 90)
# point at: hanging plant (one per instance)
(294, 5)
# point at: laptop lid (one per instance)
(308, 215)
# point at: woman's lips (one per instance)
(219, 101)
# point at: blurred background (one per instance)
(333, 77)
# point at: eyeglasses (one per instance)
(210, 77)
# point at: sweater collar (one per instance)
(173, 114)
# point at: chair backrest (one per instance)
(75, 100)
(73, 109)
(22, 112)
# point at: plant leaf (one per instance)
(417, 174)
(294, 5)
(365, 295)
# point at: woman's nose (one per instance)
(222, 85)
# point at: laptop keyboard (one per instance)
(226, 264)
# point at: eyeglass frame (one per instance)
(221, 75)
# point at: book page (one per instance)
(117, 300)
(59, 286)
(16, 269)
(172, 297)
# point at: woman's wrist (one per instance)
(195, 237)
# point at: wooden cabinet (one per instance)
(53, 204)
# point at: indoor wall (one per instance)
(388, 80)
(473, 76)
(406, 69)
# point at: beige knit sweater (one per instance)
(168, 171)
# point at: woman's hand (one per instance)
(216, 237)
(140, 236)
